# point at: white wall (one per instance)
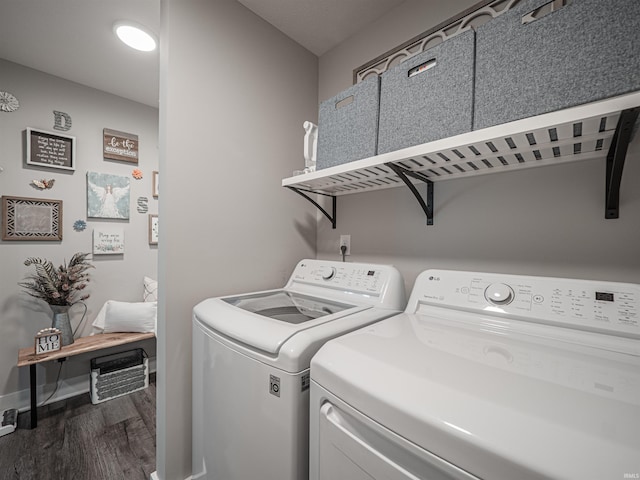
(234, 95)
(546, 221)
(116, 277)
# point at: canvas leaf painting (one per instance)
(107, 195)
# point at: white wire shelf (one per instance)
(580, 133)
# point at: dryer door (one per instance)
(353, 446)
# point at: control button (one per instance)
(499, 294)
(328, 273)
(538, 299)
(464, 290)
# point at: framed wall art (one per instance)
(108, 241)
(153, 229)
(155, 186)
(119, 146)
(31, 219)
(107, 196)
(52, 150)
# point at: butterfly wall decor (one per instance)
(43, 184)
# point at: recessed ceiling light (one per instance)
(135, 36)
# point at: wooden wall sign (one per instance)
(120, 146)
(47, 149)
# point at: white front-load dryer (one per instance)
(251, 356)
(484, 376)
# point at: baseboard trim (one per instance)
(69, 387)
(154, 476)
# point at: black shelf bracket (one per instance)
(615, 160)
(403, 173)
(303, 192)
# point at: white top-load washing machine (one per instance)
(489, 376)
(251, 357)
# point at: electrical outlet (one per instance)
(345, 240)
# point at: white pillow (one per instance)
(99, 321)
(127, 317)
(150, 290)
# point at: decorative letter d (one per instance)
(63, 121)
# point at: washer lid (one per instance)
(265, 320)
(496, 401)
(288, 307)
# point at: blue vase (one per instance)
(61, 322)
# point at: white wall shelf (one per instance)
(600, 129)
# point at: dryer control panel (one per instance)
(604, 306)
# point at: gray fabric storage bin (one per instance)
(349, 132)
(586, 51)
(433, 104)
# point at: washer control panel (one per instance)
(349, 276)
(608, 306)
(372, 283)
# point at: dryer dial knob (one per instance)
(499, 294)
(328, 273)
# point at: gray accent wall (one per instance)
(115, 277)
(547, 221)
(234, 95)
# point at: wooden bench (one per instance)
(93, 343)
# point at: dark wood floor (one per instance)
(81, 441)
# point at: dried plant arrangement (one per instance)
(58, 286)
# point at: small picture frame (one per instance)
(34, 219)
(153, 229)
(48, 340)
(155, 185)
(51, 150)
